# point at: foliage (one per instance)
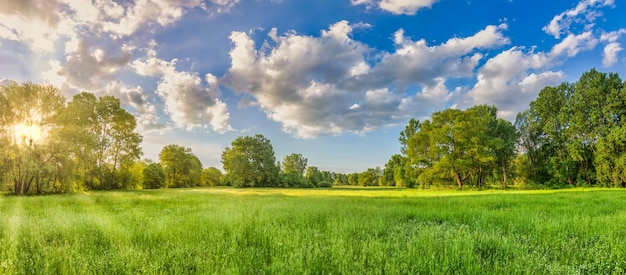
(153, 176)
(250, 162)
(573, 133)
(31, 145)
(211, 177)
(182, 168)
(295, 164)
(324, 184)
(464, 147)
(313, 175)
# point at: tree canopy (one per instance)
(250, 162)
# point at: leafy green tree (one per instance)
(182, 168)
(394, 173)
(250, 162)
(294, 163)
(30, 140)
(313, 175)
(340, 179)
(368, 177)
(153, 176)
(504, 137)
(411, 129)
(102, 138)
(211, 177)
(463, 146)
(353, 179)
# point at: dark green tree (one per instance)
(250, 162)
(153, 176)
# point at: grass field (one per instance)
(329, 231)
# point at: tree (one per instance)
(295, 164)
(211, 177)
(182, 168)
(504, 137)
(411, 129)
(250, 162)
(369, 177)
(101, 136)
(353, 179)
(30, 140)
(313, 175)
(153, 176)
(463, 146)
(394, 172)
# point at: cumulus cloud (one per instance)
(416, 62)
(190, 101)
(327, 85)
(585, 13)
(408, 7)
(91, 67)
(612, 48)
(514, 77)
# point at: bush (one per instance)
(324, 184)
(153, 176)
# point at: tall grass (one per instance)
(346, 231)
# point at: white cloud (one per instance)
(416, 62)
(585, 13)
(514, 77)
(408, 7)
(189, 101)
(311, 92)
(612, 49)
(91, 67)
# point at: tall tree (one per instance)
(182, 168)
(411, 129)
(250, 162)
(102, 137)
(313, 175)
(29, 137)
(294, 163)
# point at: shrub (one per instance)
(324, 184)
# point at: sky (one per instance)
(333, 80)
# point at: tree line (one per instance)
(571, 134)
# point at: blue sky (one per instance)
(333, 80)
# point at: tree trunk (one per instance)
(504, 176)
(457, 177)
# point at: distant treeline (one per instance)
(572, 134)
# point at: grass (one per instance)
(319, 231)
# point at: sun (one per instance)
(27, 134)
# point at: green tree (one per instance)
(182, 168)
(250, 162)
(504, 137)
(463, 146)
(102, 138)
(153, 176)
(211, 177)
(313, 175)
(353, 179)
(294, 163)
(30, 140)
(394, 173)
(411, 129)
(369, 177)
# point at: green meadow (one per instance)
(319, 231)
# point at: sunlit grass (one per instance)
(339, 230)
